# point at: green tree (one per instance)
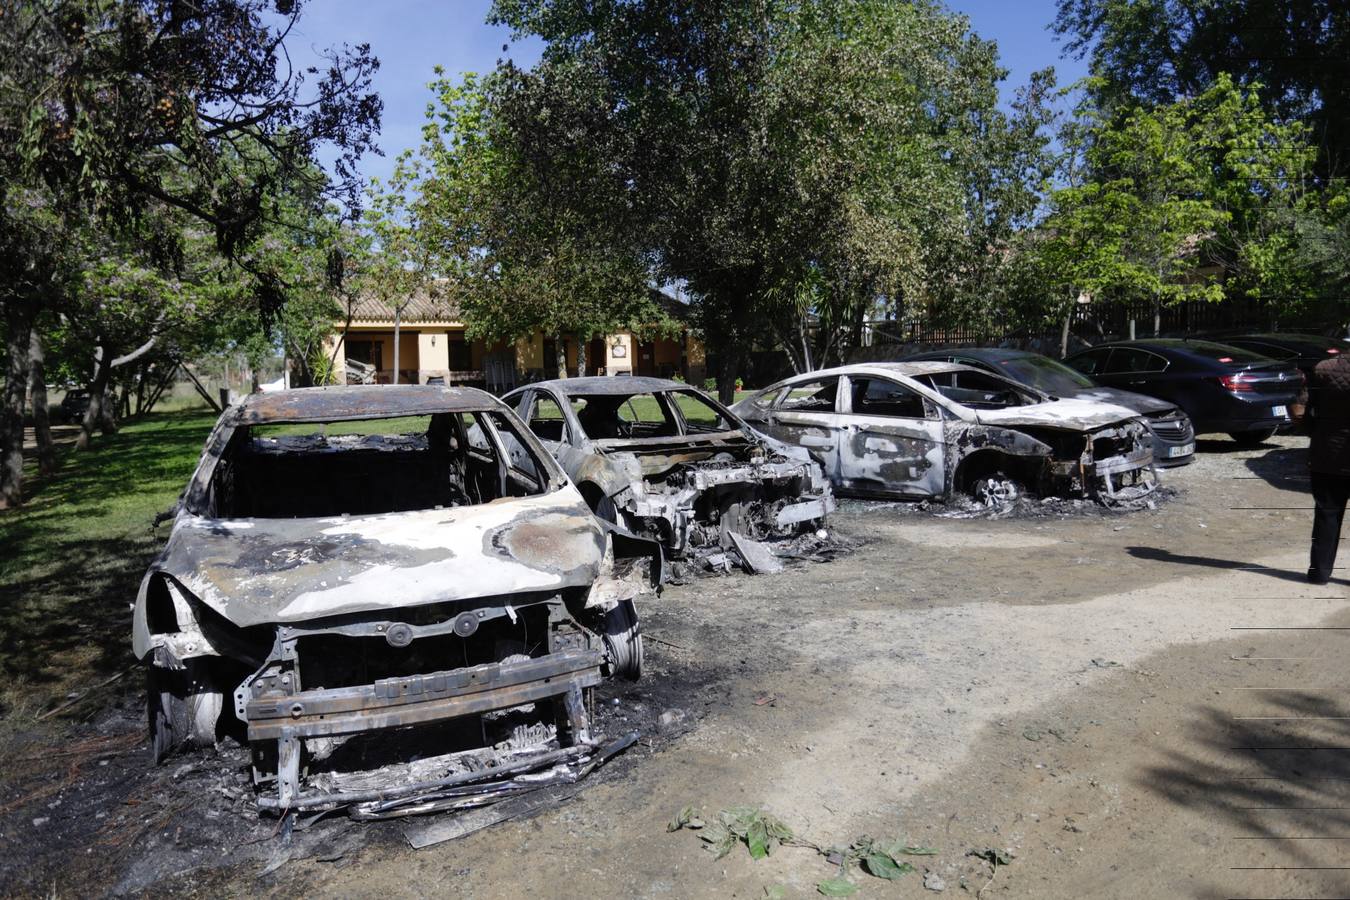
(788, 162)
(1160, 51)
(108, 107)
(525, 224)
(1133, 228)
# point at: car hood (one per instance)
(1138, 403)
(259, 571)
(1070, 414)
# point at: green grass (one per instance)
(73, 557)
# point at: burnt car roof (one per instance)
(609, 385)
(918, 367)
(357, 401)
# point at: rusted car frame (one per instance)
(321, 588)
(699, 487)
(934, 429)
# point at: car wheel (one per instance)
(182, 708)
(1252, 438)
(623, 640)
(995, 489)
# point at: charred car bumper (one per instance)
(696, 508)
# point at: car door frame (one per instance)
(893, 456)
(816, 431)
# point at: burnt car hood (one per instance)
(259, 571)
(1067, 414)
(1139, 403)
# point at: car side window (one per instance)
(1134, 359)
(1093, 362)
(810, 396)
(882, 397)
(546, 419)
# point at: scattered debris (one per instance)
(934, 882)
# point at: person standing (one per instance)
(1329, 460)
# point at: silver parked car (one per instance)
(365, 572)
(663, 460)
(931, 429)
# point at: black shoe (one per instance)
(1316, 577)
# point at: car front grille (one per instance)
(1172, 427)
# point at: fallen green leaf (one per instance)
(882, 865)
(775, 892)
(919, 851)
(836, 887)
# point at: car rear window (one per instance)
(1224, 353)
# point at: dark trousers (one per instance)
(1330, 494)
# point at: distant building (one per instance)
(433, 347)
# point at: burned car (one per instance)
(665, 461)
(933, 429)
(393, 595)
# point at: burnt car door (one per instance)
(543, 413)
(805, 413)
(891, 440)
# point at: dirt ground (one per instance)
(1142, 704)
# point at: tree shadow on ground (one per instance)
(1263, 780)
(1285, 468)
(1227, 445)
(1158, 554)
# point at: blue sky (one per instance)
(412, 36)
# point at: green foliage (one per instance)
(1160, 51)
(762, 834)
(790, 163)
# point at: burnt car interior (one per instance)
(978, 390)
(619, 416)
(371, 466)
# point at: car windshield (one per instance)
(1045, 373)
(372, 466)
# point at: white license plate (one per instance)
(1182, 450)
(1279, 411)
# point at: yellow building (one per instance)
(433, 348)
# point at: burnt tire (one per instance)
(623, 641)
(1252, 438)
(182, 708)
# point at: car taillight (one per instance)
(1333, 350)
(1238, 383)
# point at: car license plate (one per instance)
(1182, 450)
(1279, 411)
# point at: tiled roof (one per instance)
(424, 306)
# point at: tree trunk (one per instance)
(397, 322)
(560, 353)
(19, 316)
(1131, 327)
(1157, 318)
(37, 390)
(581, 355)
(726, 378)
(1064, 336)
(97, 415)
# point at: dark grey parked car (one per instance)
(1173, 436)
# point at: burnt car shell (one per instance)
(699, 486)
(932, 429)
(321, 588)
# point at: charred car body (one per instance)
(356, 570)
(932, 429)
(665, 461)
